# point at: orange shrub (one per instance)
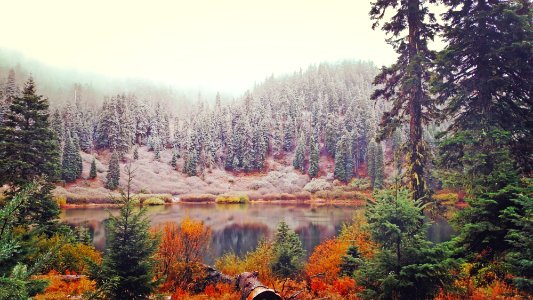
(326, 260)
(63, 289)
(344, 285)
(355, 234)
(180, 252)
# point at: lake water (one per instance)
(239, 228)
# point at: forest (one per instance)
(437, 135)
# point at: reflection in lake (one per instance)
(239, 228)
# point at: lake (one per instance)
(239, 228)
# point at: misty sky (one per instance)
(224, 45)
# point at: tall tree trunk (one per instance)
(415, 167)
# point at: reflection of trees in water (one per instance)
(237, 238)
(312, 235)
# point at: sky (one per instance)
(217, 45)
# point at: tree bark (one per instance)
(252, 289)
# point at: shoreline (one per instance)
(316, 202)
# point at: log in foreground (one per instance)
(247, 283)
(252, 289)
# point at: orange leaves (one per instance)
(63, 287)
(324, 269)
(356, 234)
(326, 260)
(344, 286)
(181, 249)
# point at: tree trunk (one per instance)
(247, 283)
(252, 289)
(415, 168)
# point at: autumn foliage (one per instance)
(59, 288)
(324, 270)
(181, 252)
(326, 260)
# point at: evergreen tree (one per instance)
(127, 269)
(404, 83)
(407, 265)
(350, 261)
(173, 162)
(16, 278)
(69, 168)
(191, 164)
(313, 160)
(343, 160)
(57, 125)
(28, 148)
(288, 135)
(299, 157)
(288, 252)
(136, 153)
(92, 173)
(378, 168)
(113, 173)
(518, 258)
(157, 154)
(28, 151)
(331, 133)
(340, 165)
(78, 162)
(371, 162)
(483, 75)
(492, 227)
(11, 90)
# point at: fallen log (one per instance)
(252, 289)
(247, 283)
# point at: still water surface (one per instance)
(239, 228)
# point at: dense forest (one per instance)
(444, 133)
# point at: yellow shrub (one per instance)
(153, 201)
(232, 199)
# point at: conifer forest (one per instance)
(266, 150)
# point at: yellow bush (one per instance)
(153, 201)
(446, 198)
(61, 200)
(232, 199)
(257, 260)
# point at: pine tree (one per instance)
(78, 162)
(29, 151)
(11, 90)
(288, 135)
(191, 164)
(404, 83)
(288, 252)
(128, 260)
(405, 259)
(483, 75)
(57, 126)
(92, 173)
(69, 168)
(113, 173)
(173, 162)
(331, 138)
(340, 166)
(313, 160)
(28, 148)
(299, 156)
(378, 168)
(157, 154)
(343, 165)
(136, 153)
(371, 162)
